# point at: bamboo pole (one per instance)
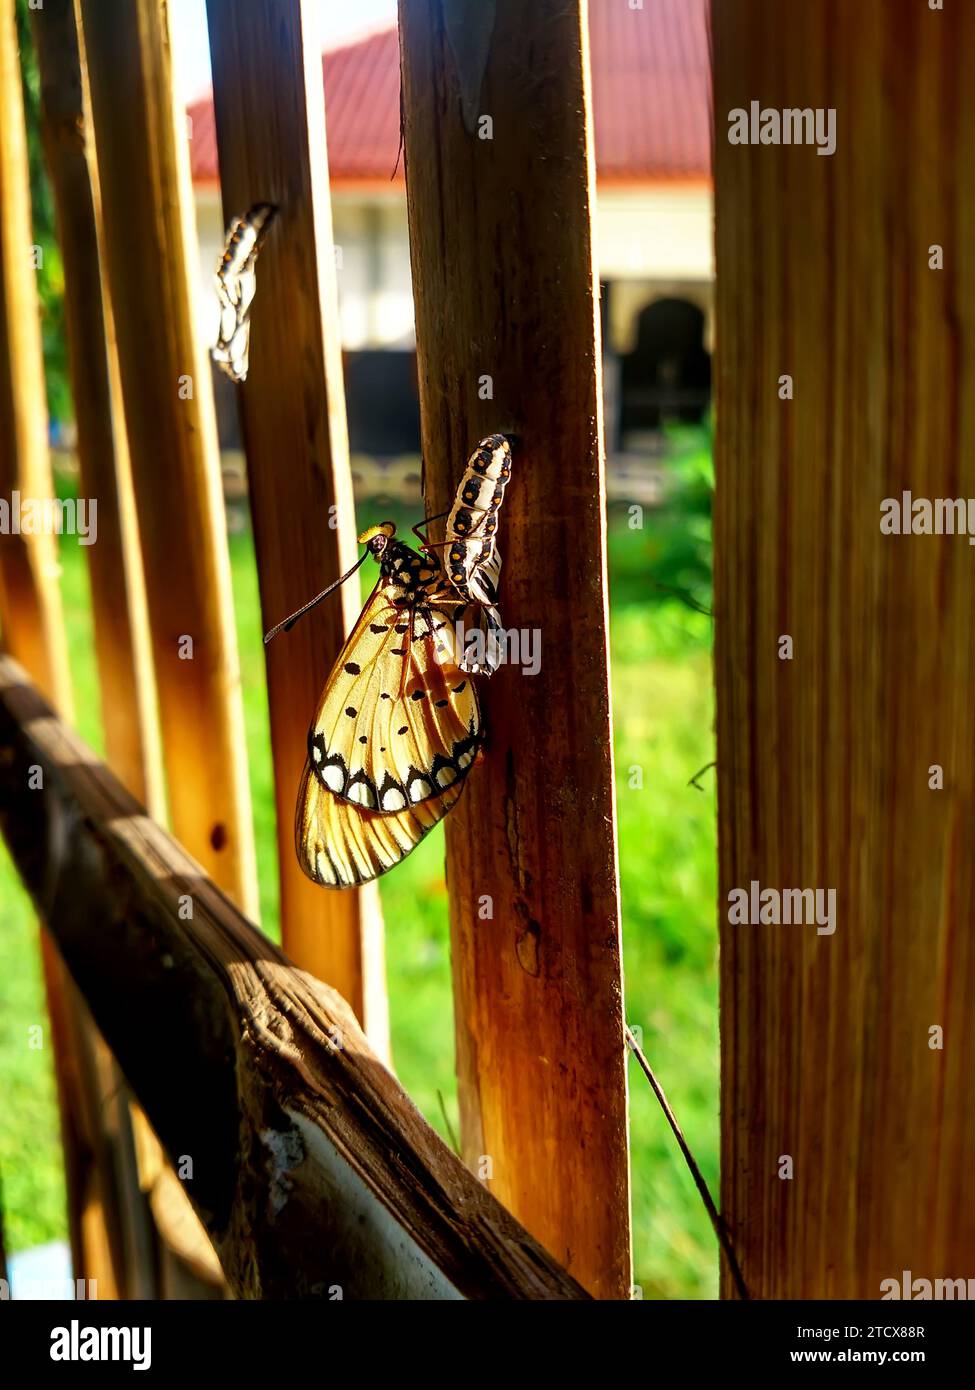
(32, 624)
(30, 599)
(269, 103)
(848, 1140)
(122, 642)
(500, 183)
(316, 1175)
(150, 260)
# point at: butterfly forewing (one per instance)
(398, 726)
(398, 723)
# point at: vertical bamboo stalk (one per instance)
(32, 623)
(150, 259)
(30, 599)
(269, 103)
(500, 184)
(848, 1139)
(114, 562)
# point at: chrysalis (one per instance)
(236, 283)
(471, 559)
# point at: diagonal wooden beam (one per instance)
(310, 1166)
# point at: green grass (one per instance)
(662, 701)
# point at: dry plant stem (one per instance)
(696, 1174)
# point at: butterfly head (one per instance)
(377, 538)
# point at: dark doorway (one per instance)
(667, 376)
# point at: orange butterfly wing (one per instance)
(341, 846)
(397, 730)
(397, 722)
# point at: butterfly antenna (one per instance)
(289, 623)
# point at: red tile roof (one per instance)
(651, 98)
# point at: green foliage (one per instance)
(675, 553)
(50, 274)
(30, 1157)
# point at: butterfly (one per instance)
(472, 562)
(236, 282)
(398, 725)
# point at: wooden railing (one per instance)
(310, 1167)
(314, 1173)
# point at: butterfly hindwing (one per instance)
(340, 845)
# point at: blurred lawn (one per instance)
(662, 697)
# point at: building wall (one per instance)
(651, 240)
(210, 232)
(655, 231)
(373, 262)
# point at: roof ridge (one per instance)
(651, 96)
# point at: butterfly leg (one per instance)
(426, 522)
(439, 545)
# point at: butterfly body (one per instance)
(417, 575)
